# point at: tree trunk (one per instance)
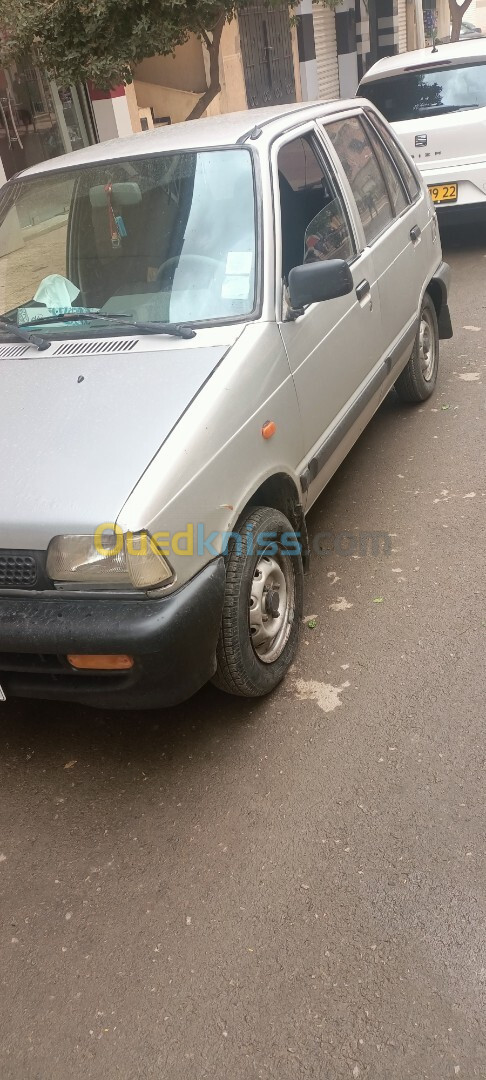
(457, 12)
(214, 86)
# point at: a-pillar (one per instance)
(111, 112)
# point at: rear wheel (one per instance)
(262, 610)
(418, 378)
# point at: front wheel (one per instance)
(418, 378)
(263, 603)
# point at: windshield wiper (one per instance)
(439, 110)
(180, 330)
(37, 340)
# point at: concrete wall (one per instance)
(132, 104)
(164, 100)
(444, 18)
(171, 85)
(182, 71)
(233, 91)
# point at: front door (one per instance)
(333, 347)
(266, 49)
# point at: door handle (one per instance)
(363, 290)
(415, 234)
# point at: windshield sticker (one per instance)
(236, 287)
(239, 262)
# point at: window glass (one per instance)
(392, 178)
(364, 174)
(418, 94)
(408, 176)
(314, 221)
(167, 237)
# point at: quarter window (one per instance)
(392, 178)
(313, 218)
(362, 169)
(408, 176)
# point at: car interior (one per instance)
(138, 248)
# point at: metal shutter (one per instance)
(402, 25)
(326, 52)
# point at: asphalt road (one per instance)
(295, 888)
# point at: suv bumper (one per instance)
(172, 640)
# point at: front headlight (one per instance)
(132, 560)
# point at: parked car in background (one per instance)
(467, 30)
(198, 323)
(435, 99)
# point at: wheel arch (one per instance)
(437, 290)
(280, 492)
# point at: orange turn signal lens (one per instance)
(269, 429)
(100, 662)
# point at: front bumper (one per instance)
(172, 639)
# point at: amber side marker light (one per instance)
(269, 429)
(100, 662)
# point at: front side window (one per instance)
(313, 219)
(362, 169)
(170, 237)
(418, 94)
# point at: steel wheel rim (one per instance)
(426, 347)
(272, 590)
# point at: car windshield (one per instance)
(167, 238)
(418, 94)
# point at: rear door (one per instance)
(334, 348)
(392, 224)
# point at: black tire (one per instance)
(418, 378)
(241, 669)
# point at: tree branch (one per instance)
(206, 39)
(214, 85)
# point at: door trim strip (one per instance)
(331, 443)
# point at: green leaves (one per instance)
(102, 40)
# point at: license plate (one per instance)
(441, 193)
(2, 695)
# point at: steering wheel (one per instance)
(190, 265)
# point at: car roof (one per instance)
(210, 132)
(452, 52)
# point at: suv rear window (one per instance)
(418, 94)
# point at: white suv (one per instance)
(435, 100)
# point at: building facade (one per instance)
(267, 56)
(276, 56)
(39, 119)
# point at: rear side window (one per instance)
(418, 94)
(393, 180)
(406, 171)
(363, 171)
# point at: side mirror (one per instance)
(313, 282)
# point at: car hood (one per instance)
(78, 431)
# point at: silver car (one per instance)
(198, 323)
